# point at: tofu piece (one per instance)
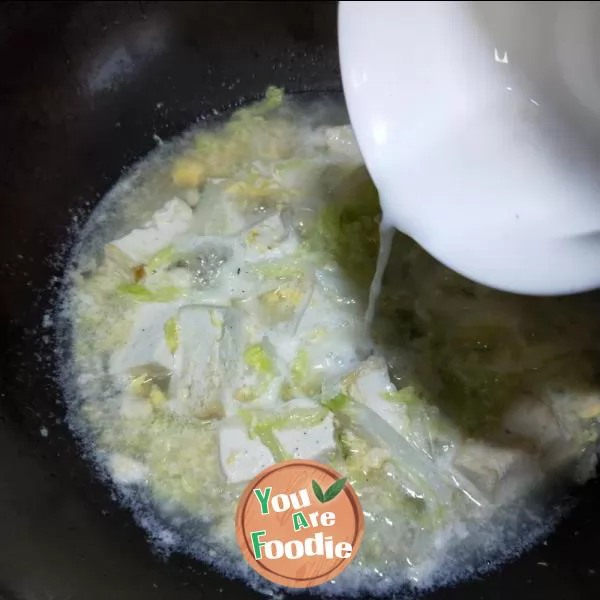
(198, 378)
(140, 245)
(126, 470)
(310, 443)
(241, 458)
(235, 339)
(146, 346)
(501, 473)
(534, 423)
(369, 384)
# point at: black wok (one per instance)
(84, 87)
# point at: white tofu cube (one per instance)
(533, 423)
(198, 378)
(141, 244)
(234, 340)
(369, 384)
(146, 345)
(241, 458)
(501, 473)
(310, 443)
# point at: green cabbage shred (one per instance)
(143, 294)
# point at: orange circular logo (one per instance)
(299, 523)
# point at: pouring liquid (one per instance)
(386, 236)
(491, 162)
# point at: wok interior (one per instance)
(87, 88)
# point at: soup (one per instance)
(217, 316)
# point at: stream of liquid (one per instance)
(386, 235)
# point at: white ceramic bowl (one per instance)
(479, 123)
